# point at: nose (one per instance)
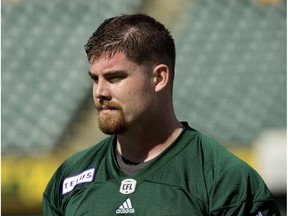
(101, 90)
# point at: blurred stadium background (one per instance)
(230, 84)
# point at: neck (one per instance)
(147, 141)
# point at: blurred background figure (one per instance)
(231, 61)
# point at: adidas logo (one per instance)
(125, 208)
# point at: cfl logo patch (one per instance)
(128, 186)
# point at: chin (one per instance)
(112, 129)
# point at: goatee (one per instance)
(112, 122)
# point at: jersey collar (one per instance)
(185, 137)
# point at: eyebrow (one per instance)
(109, 74)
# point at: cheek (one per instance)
(140, 100)
(135, 96)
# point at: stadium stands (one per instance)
(231, 58)
(44, 66)
(231, 68)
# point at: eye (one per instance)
(116, 77)
(94, 77)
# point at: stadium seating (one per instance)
(231, 68)
(44, 67)
(230, 74)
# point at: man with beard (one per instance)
(152, 164)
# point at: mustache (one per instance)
(99, 105)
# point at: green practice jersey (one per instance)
(193, 176)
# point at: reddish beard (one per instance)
(112, 122)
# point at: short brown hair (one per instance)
(140, 37)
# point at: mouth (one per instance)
(103, 109)
(106, 109)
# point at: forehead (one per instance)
(109, 62)
(116, 62)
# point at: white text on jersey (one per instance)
(70, 182)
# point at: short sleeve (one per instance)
(49, 209)
(259, 208)
(235, 188)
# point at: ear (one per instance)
(160, 77)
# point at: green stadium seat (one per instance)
(231, 70)
(44, 67)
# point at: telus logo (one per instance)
(70, 182)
